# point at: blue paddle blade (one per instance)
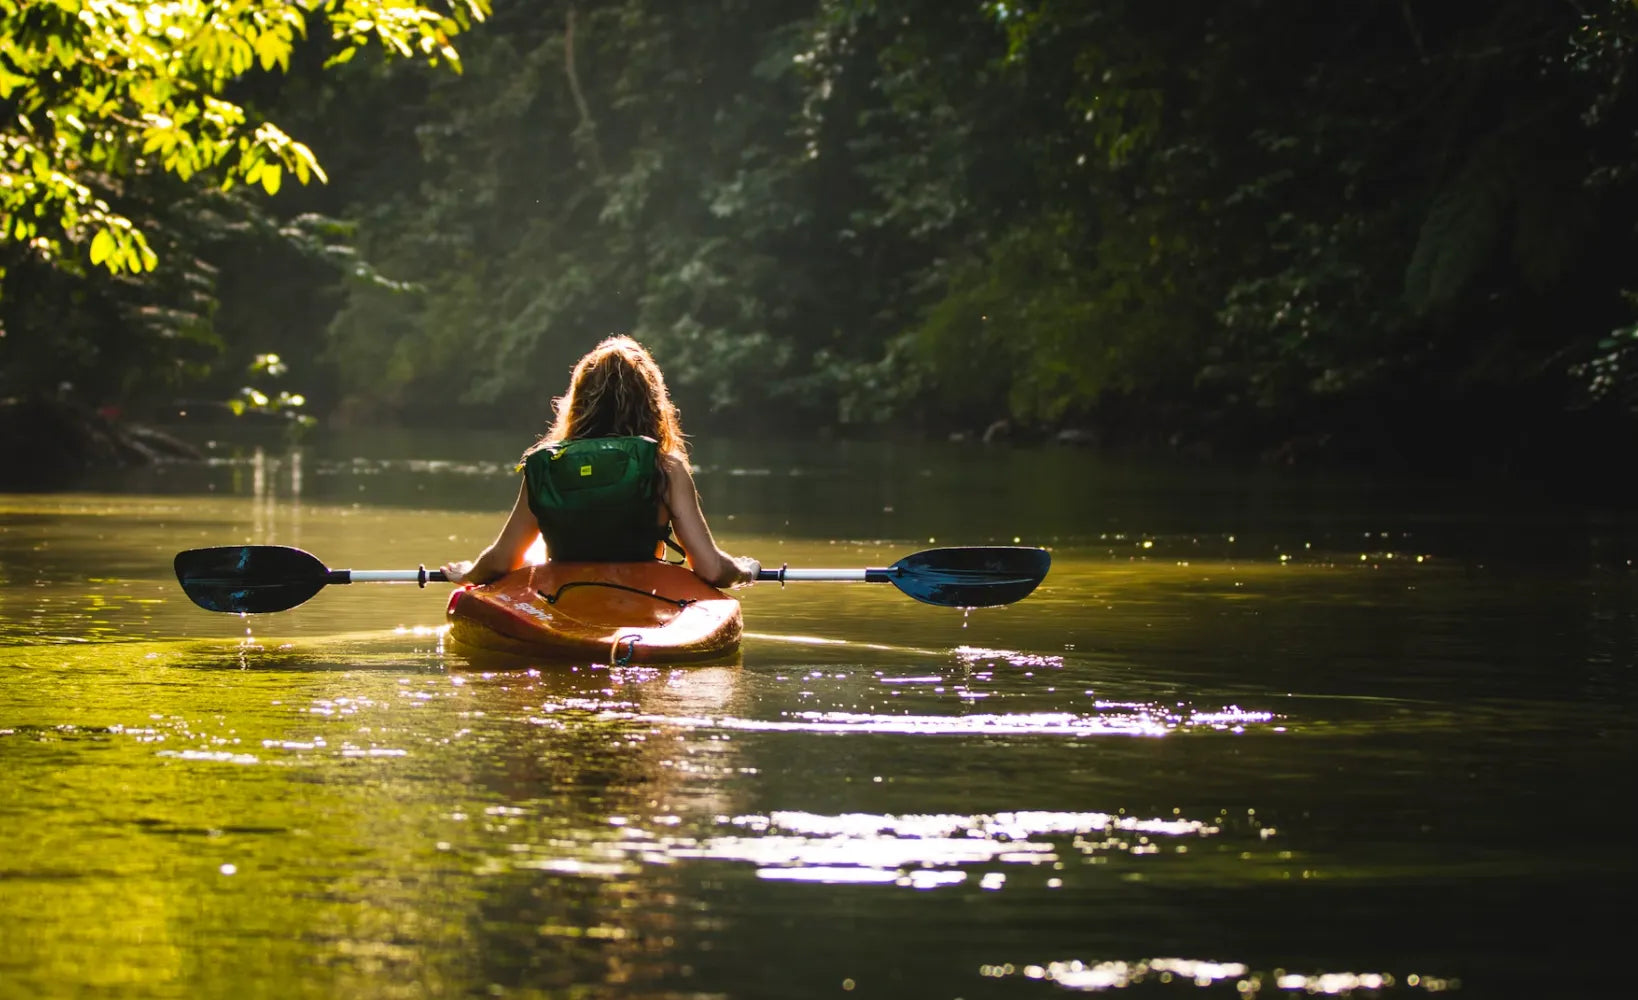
(249, 579)
(978, 577)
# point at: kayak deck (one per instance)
(635, 612)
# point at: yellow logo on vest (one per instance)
(585, 470)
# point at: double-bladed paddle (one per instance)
(256, 579)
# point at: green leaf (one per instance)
(272, 173)
(101, 246)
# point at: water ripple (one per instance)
(1096, 977)
(918, 851)
(1113, 719)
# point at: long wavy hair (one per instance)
(616, 390)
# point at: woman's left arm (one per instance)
(506, 553)
(708, 562)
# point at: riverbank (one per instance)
(45, 441)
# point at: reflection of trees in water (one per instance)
(576, 887)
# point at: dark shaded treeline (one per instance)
(1389, 232)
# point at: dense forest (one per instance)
(1387, 232)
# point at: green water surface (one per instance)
(1253, 736)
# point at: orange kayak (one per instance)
(635, 612)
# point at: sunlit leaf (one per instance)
(101, 246)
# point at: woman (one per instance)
(610, 482)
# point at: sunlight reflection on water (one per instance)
(913, 851)
(1095, 977)
(1137, 720)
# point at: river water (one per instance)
(1254, 735)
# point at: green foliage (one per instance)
(262, 398)
(126, 141)
(1505, 198)
(1037, 332)
(1242, 221)
(100, 92)
(1206, 219)
(1608, 372)
(598, 168)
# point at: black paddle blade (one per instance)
(980, 577)
(249, 579)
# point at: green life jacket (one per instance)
(596, 499)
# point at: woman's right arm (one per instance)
(506, 553)
(708, 562)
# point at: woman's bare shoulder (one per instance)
(674, 464)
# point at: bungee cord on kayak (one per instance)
(552, 598)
